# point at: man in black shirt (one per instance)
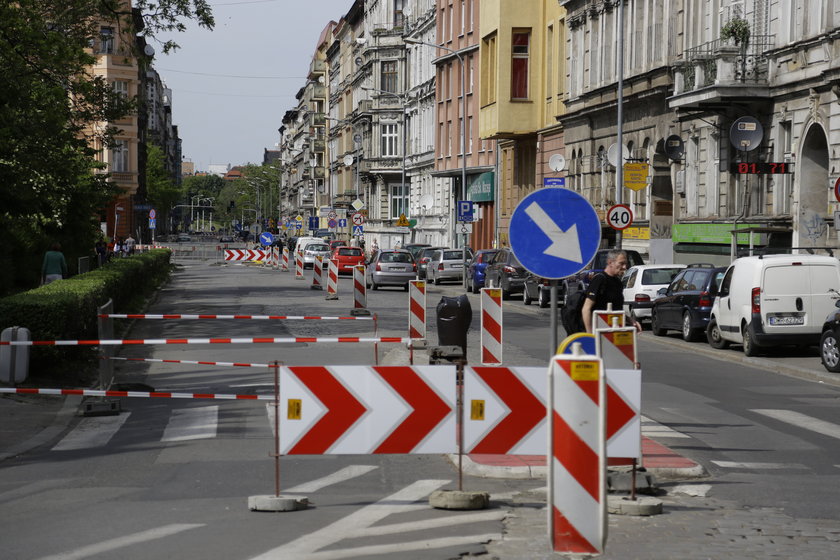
(606, 288)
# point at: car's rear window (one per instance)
(317, 247)
(350, 252)
(396, 257)
(453, 255)
(659, 275)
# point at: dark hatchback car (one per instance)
(422, 259)
(685, 305)
(504, 271)
(829, 348)
(538, 289)
(475, 270)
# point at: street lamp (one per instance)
(412, 41)
(406, 190)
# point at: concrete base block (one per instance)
(623, 482)
(315, 287)
(458, 499)
(420, 343)
(622, 505)
(360, 312)
(277, 503)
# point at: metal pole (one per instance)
(619, 176)
(553, 341)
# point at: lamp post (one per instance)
(413, 41)
(406, 191)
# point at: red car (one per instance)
(347, 258)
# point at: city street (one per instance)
(171, 478)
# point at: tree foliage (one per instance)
(161, 190)
(48, 186)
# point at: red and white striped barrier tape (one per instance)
(261, 317)
(189, 362)
(141, 394)
(255, 340)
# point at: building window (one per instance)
(119, 156)
(463, 16)
(399, 19)
(120, 88)
(389, 76)
(487, 60)
(106, 40)
(519, 64)
(389, 140)
(398, 201)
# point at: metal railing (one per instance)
(751, 62)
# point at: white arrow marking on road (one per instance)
(564, 244)
(128, 540)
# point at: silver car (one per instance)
(391, 268)
(446, 264)
(314, 250)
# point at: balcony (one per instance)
(319, 146)
(717, 73)
(319, 91)
(319, 172)
(317, 68)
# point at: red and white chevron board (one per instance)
(332, 280)
(367, 409)
(491, 326)
(254, 340)
(284, 265)
(359, 287)
(417, 309)
(505, 410)
(577, 501)
(245, 254)
(603, 319)
(299, 265)
(317, 271)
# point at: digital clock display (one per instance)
(762, 168)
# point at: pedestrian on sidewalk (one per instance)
(606, 288)
(54, 266)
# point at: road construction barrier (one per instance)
(617, 349)
(284, 265)
(258, 317)
(140, 394)
(187, 362)
(606, 319)
(246, 254)
(332, 280)
(359, 287)
(317, 270)
(491, 326)
(246, 340)
(417, 309)
(577, 460)
(299, 265)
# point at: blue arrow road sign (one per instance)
(266, 238)
(313, 222)
(554, 232)
(342, 222)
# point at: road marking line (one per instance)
(653, 429)
(94, 431)
(802, 421)
(346, 527)
(436, 523)
(397, 548)
(192, 423)
(758, 466)
(339, 476)
(122, 542)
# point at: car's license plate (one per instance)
(457, 265)
(785, 320)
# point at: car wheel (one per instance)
(713, 335)
(689, 334)
(829, 352)
(750, 347)
(436, 281)
(505, 293)
(544, 299)
(655, 327)
(475, 288)
(374, 285)
(526, 297)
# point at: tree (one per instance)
(161, 190)
(48, 186)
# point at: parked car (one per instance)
(227, 239)
(302, 242)
(580, 281)
(829, 349)
(183, 237)
(538, 289)
(774, 300)
(641, 285)
(505, 272)
(347, 258)
(313, 250)
(335, 243)
(475, 270)
(422, 259)
(391, 268)
(415, 248)
(685, 305)
(446, 264)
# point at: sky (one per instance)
(231, 86)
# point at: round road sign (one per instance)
(152, 214)
(837, 189)
(358, 219)
(619, 216)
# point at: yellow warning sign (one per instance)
(584, 371)
(403, 221)
(477, 410)
(636, 175)
(294, 409)
(623, 339)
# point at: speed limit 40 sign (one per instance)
(619, 216)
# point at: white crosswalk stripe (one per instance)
(802, 421)
(758, 466)
(192, 423)
(655, 430)
(95, 431)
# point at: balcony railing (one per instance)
(722, 62)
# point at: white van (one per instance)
(774, 300)
(302, 242)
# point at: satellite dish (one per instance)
(557, 163)
(348, 160)
(746, 134)
(674, 147)
(407, 11)
(427, 201)
(149, 50)
(359, 61)
(612, 154)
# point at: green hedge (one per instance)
(67, 309)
